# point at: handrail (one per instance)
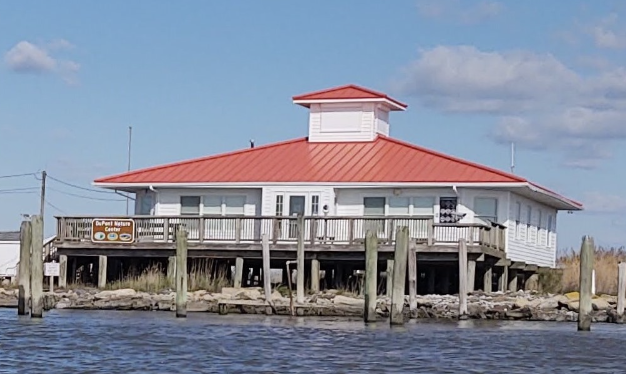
(283, 229)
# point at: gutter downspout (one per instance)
(157, 201)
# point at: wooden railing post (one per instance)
(350, 230)
(471, 235)
(390, 230)
(201, 230)
(430, 229)
(166, 230)
(497, 234)
(313, 223)
(238, 230)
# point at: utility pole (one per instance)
(130, 137)
(43, 193)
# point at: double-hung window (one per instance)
(486, 208)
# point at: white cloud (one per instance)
(540, 102)
(455, 10)
(605, 34)
(28, 58)
(598, 202)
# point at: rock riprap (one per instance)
(500, 306)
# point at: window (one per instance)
(234, 205)
(486, 208)
(145, 204)
(424, 206)
(398, 206)
(189, 205)
(539, 238)
(529, 216)
(518, 220)
(279, 205)
(549, 232)
(212, 205)
(315, 205)
(374, 206)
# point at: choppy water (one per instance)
(157, 342)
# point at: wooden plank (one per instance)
(621, 288)
(462, 279)
(531, 268)
(371, 276)
(586, 269)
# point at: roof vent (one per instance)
(251, 143)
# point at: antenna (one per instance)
(512, 158)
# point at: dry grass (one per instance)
(606, 261)
(154, 279)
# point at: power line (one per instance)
(20, 189)
(17, 175)
(79, 187)
(83, 196)
(54, 207)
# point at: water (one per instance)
(156, 342)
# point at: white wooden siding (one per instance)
(527, 242)
(340, 122)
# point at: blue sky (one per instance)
(195, 78)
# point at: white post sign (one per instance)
(51, 269)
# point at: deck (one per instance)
(330, 237)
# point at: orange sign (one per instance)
(104, 230)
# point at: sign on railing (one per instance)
(112, 230)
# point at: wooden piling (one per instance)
(181, 273)
(171, 269)
(315, 275)
(462, 279)
(621, 288)
(102, 272)
(399, 275)
(586, 273)
(267, 276)
(471, 275)
(300, 261)
(238, 272)
(24, 268)
(62, 271)
(488, 278)
(371, 276)
(412, 264)
(36, 268)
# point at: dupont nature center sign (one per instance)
(112, 230)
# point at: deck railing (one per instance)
(317, 230)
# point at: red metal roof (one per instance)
(349, 91)
(382, 160)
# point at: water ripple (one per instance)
(144, 342)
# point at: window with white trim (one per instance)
(212, 205)
(539, 238)
(190, 205)
(486, 208)
(374, 206)
(399, 206)
(529, 216)
(146, 204)
(549, 232)
(518, 220)
(424, 206)
(315, 205)
(280, 200)
(234, 205)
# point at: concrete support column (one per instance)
(102, 271)
(487, 278)
(471, 275)
(238, 272)
(62, 271)
(532, 282)
(513, 280)
(315, 276)
(389, 282)
(503, 280)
